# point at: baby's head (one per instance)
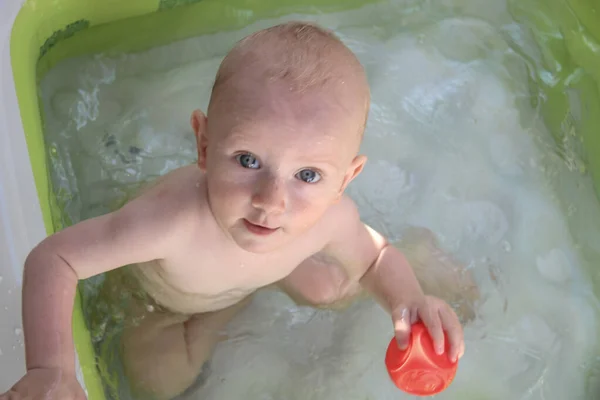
(281, 137)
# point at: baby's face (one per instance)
(274, 169)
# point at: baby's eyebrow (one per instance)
(239, 137)
(318, 162)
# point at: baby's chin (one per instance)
(260, 244)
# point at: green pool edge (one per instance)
(48, 31)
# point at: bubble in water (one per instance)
(554, 266)
(18, 331)
(532, 162)
(150, 308)
(1, 279)
(506, 246)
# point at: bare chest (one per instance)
(209, 276)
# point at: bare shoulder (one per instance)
(341, 216)
(352, 243)
(177, 194)
(175, 205)
(340, 220)
(149, 227)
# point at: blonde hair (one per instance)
(303, 55)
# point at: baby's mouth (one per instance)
(259, 229)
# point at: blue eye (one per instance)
(247, 160)
(308, 176)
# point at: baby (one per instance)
(264, 205)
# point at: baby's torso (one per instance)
(207, 271)
(207, 284)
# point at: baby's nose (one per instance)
(270, 196)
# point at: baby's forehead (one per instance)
(294, 73)
(251, 91)
(310, 140)
(259, 105)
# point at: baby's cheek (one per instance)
(308, 210)
(227, 194)
(234, 192)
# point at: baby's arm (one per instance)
(140, 231)
(368, 258)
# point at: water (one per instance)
(454, 144)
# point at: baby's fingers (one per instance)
(431, 319)
(452, 326)
(401, 318)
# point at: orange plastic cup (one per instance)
(418, 370)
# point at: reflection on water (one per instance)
(456, 144)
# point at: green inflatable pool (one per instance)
(48, 31)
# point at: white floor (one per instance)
(21, 224)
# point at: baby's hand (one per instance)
(46, 384)
(438, 317)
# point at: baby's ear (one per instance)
(355, 168)
(198, 122)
